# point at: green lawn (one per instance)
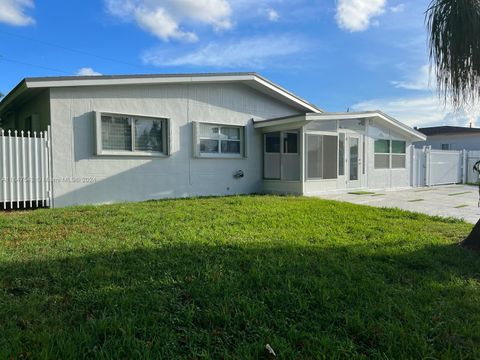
(222, 277)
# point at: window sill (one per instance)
(284, 181)
(219, 156)
(132, 154)
(321, 180)
(404, 168)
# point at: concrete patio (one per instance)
(459, 201)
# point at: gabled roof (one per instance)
(448, 130)
(376, 114)
(251, 79)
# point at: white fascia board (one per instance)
(275, 122)
(287, 94)
(399, 125)
(368, 115)
(31, 84)
(135, 81)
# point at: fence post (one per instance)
(464, 166)
(42, 166)
(35, 146)
(30, 174)
(4, 171)
(10, 167)
(426, 150)
(50, 166)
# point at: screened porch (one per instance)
(313, 154)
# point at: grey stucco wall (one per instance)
(120, 179)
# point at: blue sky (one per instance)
(357, 54)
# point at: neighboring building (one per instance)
(451, 138)
(163, 136)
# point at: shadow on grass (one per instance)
(226, 301)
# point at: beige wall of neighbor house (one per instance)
(129, 178)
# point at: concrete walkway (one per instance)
(460, 201)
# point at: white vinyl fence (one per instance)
(472, 176)
(25, 169)
(441, 167)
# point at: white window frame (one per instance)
(281, 153)
(166, 136)
(390, 154)
(323, 134)
(219, 155)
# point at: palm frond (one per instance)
(454, 48)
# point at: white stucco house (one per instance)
(451, 138)
(161, 136)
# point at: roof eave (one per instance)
(14, 93)
(413, 134)
(72, 81)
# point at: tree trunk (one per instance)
(472, 242)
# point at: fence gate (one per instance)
(472, 176)
(442, 167)
(25, 169)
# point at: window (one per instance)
(272, 142)
(354, 158)
(128, 134)
(446, 147)
(220, 140)
(322, 125)
(322, 156)
(352, 124)
(281, 160)
(382, 154)
(399, 158)
(290, 143)
(390, 154)
(314, 156)
(28, 124)
(341, 154)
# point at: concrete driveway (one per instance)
(460, 201)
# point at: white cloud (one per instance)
(419, 81)
(238, 53)
(272, 15)
(13, 12)
(163, 18)
(397, 9)
(162, 25)
(356, 15)
(87, 71)
(421, 111)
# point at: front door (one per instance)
(354, 161)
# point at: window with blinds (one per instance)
(132, 134)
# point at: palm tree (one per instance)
(454, 31)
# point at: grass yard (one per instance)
(222, 277)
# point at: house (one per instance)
(451, 138)
(139, 137)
